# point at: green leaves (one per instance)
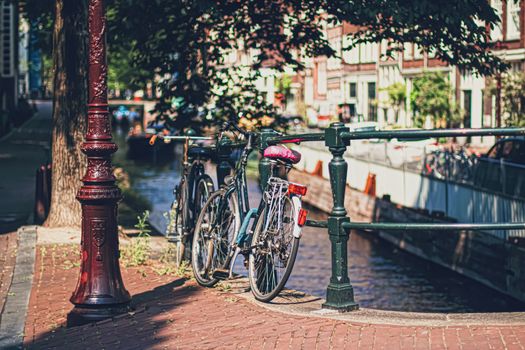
(512, 87)
(186, 43)
(432, 96)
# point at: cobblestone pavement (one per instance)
(8, 245)
(174, 313)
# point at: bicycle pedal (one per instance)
(221, 274)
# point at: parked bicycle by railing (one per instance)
(270, 248)
(454, 164)
(190, 193)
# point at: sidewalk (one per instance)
(29, 143)
(172, 312)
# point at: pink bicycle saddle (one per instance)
(282, 153)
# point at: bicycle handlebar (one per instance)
(178, 138)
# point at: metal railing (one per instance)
(340, 293)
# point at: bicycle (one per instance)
(451, 164)
(270, 248)
(190, 194)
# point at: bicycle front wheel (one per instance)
(271, 260)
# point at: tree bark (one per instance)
(70, 42)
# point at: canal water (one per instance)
(383, 276)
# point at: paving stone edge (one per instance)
(13, 317)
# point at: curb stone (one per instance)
(12, 320)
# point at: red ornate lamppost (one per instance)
(100, 292)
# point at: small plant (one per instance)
(164, 270)
(169, 216)
(68, 265)
(138, 251)
(184, 270)
(224, 287)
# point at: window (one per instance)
(513, 19)
(407, 51)
(512, 151)
(418, 52)
(497, 33)
(518, 152)
(352, 110)
(350, 56)
(335, 61)
(353, 90)
(506, 150)
(467, 106)
(368, 52)
(494, 151)
(6, 40)
(372, 109)
(321, 78)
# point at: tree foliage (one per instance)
(397, 94)
(513, 97)
(432, 95)
(185, 43)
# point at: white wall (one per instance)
(412, 190)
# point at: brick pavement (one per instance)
(8, 246)
(174, 313)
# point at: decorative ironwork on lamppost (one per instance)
(100, 292)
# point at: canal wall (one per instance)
(463, 202)
(483, 257)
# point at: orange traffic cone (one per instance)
(370, 188)
(318, 170)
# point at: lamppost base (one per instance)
(340, 298)
(81, 315)
(346, 307)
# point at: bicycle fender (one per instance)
(297, 205)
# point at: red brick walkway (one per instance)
(8, 245)
(174, 314)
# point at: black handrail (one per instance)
(297, 138)
(419, 134)
(396, 226)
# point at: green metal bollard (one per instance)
(223, 157)
(340, 293)
(264, 164)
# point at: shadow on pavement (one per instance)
(136, 329)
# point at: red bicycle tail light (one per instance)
(297, 189)
(302, 217)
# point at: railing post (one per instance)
(340, 293)
(223, 157)
(264, 164)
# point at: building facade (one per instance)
(352, 86)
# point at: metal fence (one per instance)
(337, 138)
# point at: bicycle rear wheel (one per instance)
(203, 190)
(176, 229)
(217, 225)
(272, 259)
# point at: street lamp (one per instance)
(100, 292)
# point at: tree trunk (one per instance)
(69, 111)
